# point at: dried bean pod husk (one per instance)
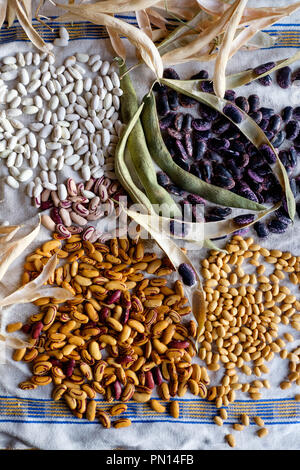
(247, 76)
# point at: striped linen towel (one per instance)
(30, 419)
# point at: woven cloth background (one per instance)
(31, 419)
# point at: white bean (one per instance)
(11, 160)
(75, 73)
(78, 88)
(63, 33)
(25, 175)
(105, 137)
(47, 117)
(28, 58)
(62, 192)
(81, 111)
(15, 172)
(63, 99)
(12, 182)
(52, 164)
(78, 165)
(62, 79)
(36, 59)
(72, 97)
(46, 131)
(59, 42)
(90, 126)
(30, 109)
(36, 74)
(42, 149)
(87, 84)
(11, 95)
(44, 66)
(96, 66)
(31, 139)
(16, 102)
(46, 95)
(33, 86)
(38, 101)
(70, 161)
(20, 59)
(108, 83)
(54, 102)
(115, 79)
(50, 86)
(104, 68)
(117, 91)
(86, 172)
(21, 89)
(34, 159)
(10, 75)
(17, 124)
(61, 113)
(43, 162)
(19, 160)
(30, 188)
(81, 57)
(93, 59)
(49, 186)
(13, 112)
(60, 163)
(53, 145)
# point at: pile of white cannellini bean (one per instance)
(53, 116)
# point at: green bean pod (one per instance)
(178, 175)
(122, 171)
(140, 156)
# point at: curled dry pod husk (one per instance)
(182, 35)
(22, 12)
(13, 342)
(7, 232)
(119, 6)
(202, 40)
(247, 76)
(218, 229)
(11, 249)
(36, 288)
(217, 8)
(146, 48)
(117, 43)
(245, 124)
(224, 49)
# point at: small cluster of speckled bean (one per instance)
(136, 319)
(73, 207)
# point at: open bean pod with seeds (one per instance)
(233, 145)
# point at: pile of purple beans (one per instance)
(213, 148)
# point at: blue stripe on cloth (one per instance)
(192, 411)
(84, 30)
